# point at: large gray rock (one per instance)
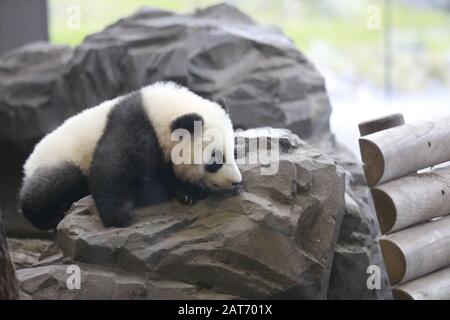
(275, 238)
(30, 97)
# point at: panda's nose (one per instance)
(235, 176)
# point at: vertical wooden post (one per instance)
(22, 21)
(388, 48)
(8, 283)
(379, 124)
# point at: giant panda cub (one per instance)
(115, 148)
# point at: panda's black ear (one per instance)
(186, 121)
(223, 103)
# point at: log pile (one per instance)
(412, 201)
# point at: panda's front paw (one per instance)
(186, 199)
(119, 218)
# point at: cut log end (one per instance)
(379, 124)
(400, 294)
(433, 286)
(394, 259)
(385, 209)
(373, 160)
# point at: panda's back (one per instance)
(74, 141)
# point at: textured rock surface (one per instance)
(273, 239)
(357, 247)
(27, 252)
(218, 52)
(50, 282)
(356, 250)
(30, 95)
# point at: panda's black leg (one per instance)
(109, 184)
(49, 193)
(117, 167)
(127, 151)
(113, 205)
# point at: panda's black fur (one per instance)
(127, 170)
(65, 184)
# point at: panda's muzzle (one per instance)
(234, 186)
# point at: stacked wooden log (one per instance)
(412, 204)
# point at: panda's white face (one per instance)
(220, 170)
(172, 107)
(217, 168)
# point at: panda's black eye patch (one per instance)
(216, 162)
(187, 122)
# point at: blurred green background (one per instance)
(421, 34)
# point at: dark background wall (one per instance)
(22, 21)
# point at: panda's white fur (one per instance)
(75, 140)
(69, 151)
